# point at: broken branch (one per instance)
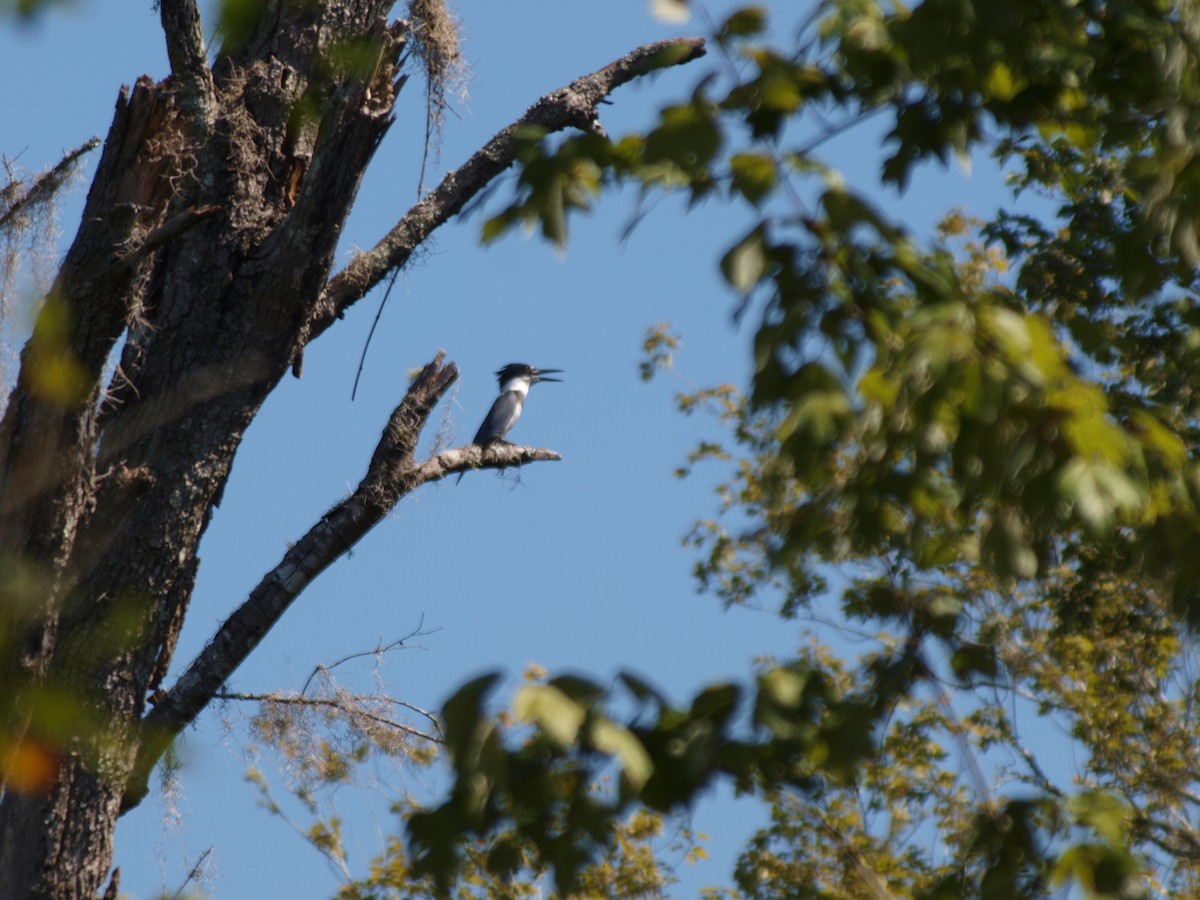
(392, 474)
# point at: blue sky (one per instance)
(575, 565)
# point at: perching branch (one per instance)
(392, 473)
(500, 455)
(576, 106)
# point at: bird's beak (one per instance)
(541, 376)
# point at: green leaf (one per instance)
(971, 659)
(1107, 815)
(582, 690)
(753, 175)
(1159, 438)
(846, 210)
(553, 214)
(642, 689)
(499, 225)
(717, 702)
(745, 265)
(818, 415)
(1000, 82)
(462, 713)
(1008, 546)
(616, 740)
(1099, 493)
(787, 704)
(688, 135)
(1101, 870)
(675, 12)
(784, 685)
(745, 22)
(556, 714)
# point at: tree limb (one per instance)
(392, 473)
(189, 60)
(169, 230)
(572, 106)
(500, 455)
(16, 203)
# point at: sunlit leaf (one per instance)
(636, 765)
(674, 12)
(746, 262)
(753, 175)
(1099, 493)
(551, 710)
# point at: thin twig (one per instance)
(966, 751)
(191, 875)
(362, 360)
(333, 703)
(379, 650)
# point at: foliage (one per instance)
(626, 867)
(978, 449)
(965, 464)
(325, 737)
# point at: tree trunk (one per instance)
(209, 233)
(206, 244)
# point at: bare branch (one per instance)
(192, 874)
(113, 891)
(15, 203)
(392, 473)
(380, 649)
(1039, 775)
(500, 455)
(339, 704)
(573, 106)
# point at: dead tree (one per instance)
(205, 254)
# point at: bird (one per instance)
(515, 381)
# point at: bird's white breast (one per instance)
(520, 385)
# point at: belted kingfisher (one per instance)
(515, 381)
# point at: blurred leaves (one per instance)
(978, 446)
(746, 263)
(658, 350)
(53, 371)
(972, 453)
(27, 9)
(537, 792)
(550, 187)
